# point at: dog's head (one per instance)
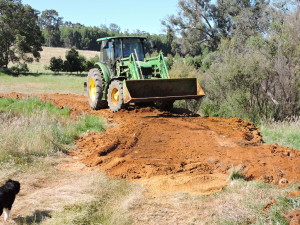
(13, 185)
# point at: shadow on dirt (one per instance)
(175, 112)
(36, 218)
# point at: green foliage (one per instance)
(56, 64)
(89, 64)
(50, 23)
(169, 61)
(21, 38)
(90, 123)
(67, 34)
(19, 68)
(255, 76)
(74, 62)
(199, 22)
(181, 68)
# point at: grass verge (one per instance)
(108, 205)
(30, 128)
(245, 203)
(285, 133)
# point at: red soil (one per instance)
(177, 151)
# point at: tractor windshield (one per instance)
(133, 46)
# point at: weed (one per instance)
(90, 122)
(236, 173)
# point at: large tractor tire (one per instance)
(95, 87)
(115, 97)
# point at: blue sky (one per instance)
(145, 15)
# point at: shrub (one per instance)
(56, 64)
(89, 64)
(74, 62)
(19, 68)
(182, 69)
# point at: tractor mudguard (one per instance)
(105, 71)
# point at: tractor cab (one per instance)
(116, 48)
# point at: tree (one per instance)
(258, 78)
(20, 35)
(203, 21)
(50, 23)
(56, 64)
(114, 28)
(74, 62)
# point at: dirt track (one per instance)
(178, 151)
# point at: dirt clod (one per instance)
(293, 217)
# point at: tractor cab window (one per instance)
(133, 46)
(118, 52)
(108, 52)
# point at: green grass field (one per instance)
(38, 84)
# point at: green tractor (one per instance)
(124, 76)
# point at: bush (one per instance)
(74, 62)
(56, 64)
(182, 69)
(19, 68)
(89, 64)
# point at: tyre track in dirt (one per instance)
(170, 152)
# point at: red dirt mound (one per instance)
(178, 152)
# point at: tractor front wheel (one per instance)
(115, 97)
(95, 87)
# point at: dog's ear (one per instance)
(9, 180)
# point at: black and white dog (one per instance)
(8, 194)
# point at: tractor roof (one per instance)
(120, 37)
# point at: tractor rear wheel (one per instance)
(95, 87)
(115, 97)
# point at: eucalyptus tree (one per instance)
(20, 34)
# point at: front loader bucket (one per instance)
(161, 90)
